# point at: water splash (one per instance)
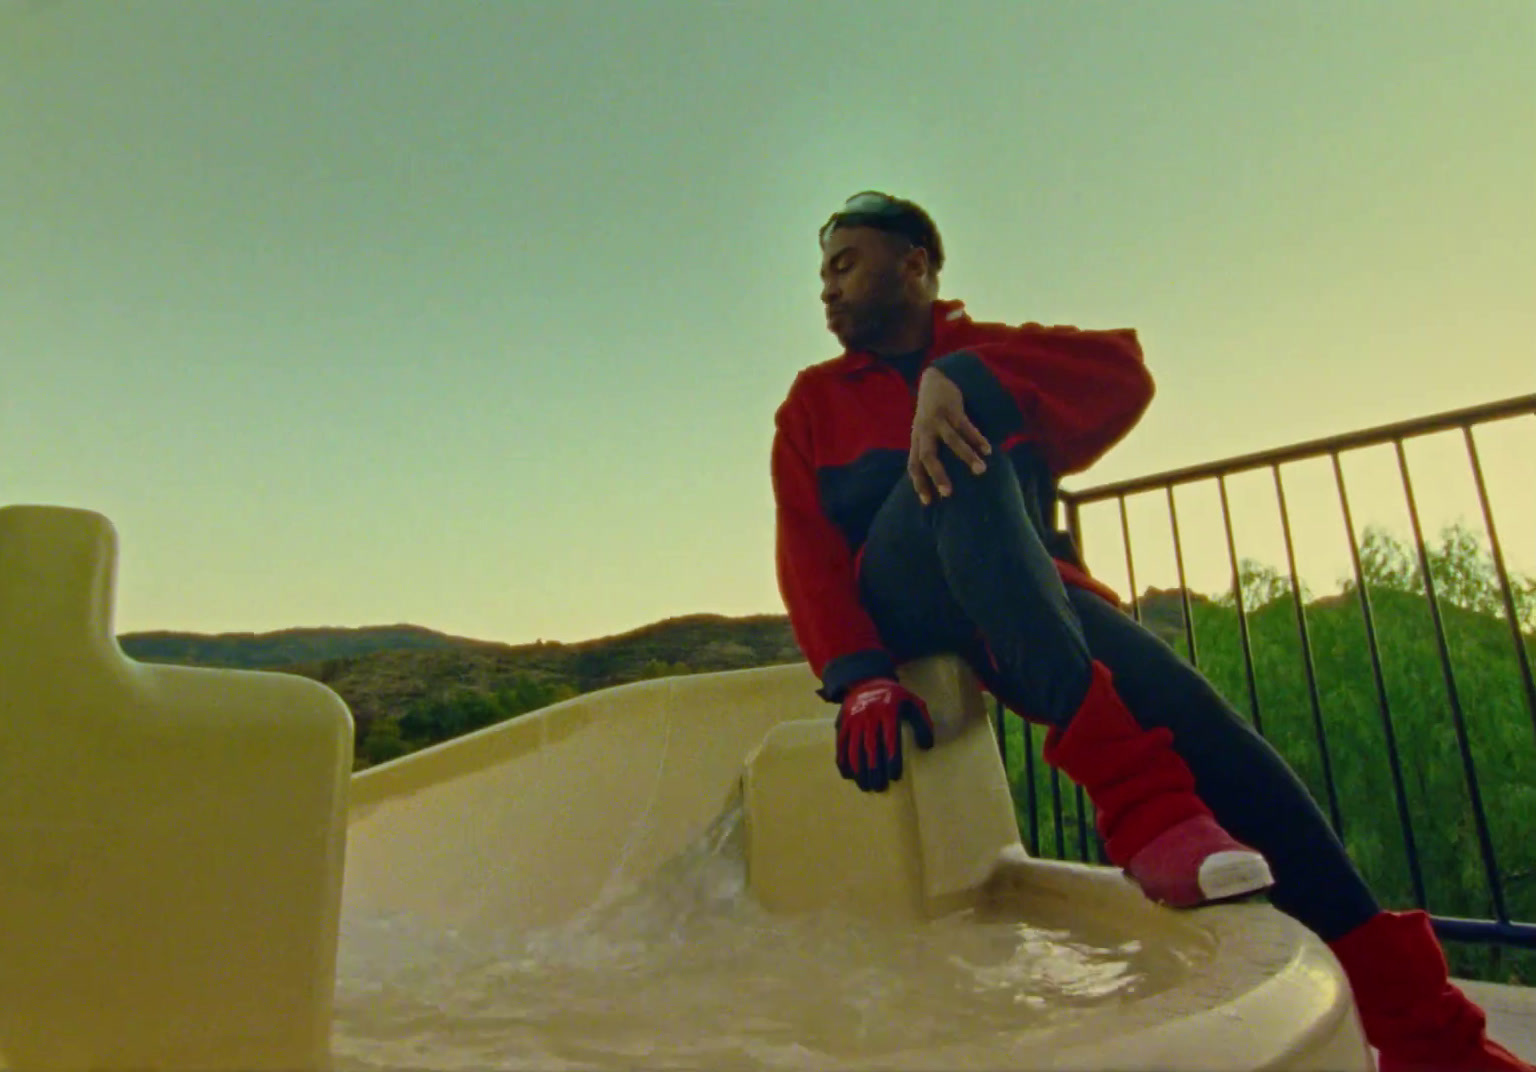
(685, 970)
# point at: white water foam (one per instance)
(686, 971)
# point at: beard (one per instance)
(862, 330)
(868, 323)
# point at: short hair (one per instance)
(894, 215)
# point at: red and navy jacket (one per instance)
(841, 442)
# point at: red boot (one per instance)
(1417, 1019)
(1153, 824)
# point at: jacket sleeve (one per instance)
(1074, 392)
(816, 571)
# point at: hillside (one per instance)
(389, 672)
(703, 642)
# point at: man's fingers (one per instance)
(973, 435)
(892, 736)
(870, 751)
(918, 468)
(919, 477)
(922, 726)
(844, 751)
(963, 449)
(932, 467)
(872, 777)
(926, 466)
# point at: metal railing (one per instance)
(1072, 810)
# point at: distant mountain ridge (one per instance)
(259, 651)
(386, 672)
(674, 640)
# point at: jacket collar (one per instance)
(947, 314)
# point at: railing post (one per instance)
(1178, 558)
(1130, 563)
(1242, 615)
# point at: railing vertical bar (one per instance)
(1075, 531)
(1082, 825)
(1075, 524)
(1130, 565)
(1506, 589)
(1000, 731)
(1458, 719)
(1394, 760)
(1242, 615)
(1057, 819)
(1178, 558)
(1091, 820)
(1031, 797)
(1306, 657)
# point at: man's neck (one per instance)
(915, 332)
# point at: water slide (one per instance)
(665, 874)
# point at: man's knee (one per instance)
(969, 488)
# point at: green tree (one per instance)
(463, 709)
(527, 693)
(657, 668)
(383, 742)
(1260, 585)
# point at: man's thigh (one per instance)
(1158, 684)
(902, 586)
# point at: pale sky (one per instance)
(475, 315)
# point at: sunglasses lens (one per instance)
(867, 202)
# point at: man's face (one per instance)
(862, 287)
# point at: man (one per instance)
(916, 479)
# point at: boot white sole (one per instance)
(1225, 875)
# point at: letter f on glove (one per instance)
(869, 731)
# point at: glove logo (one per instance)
(866, 698)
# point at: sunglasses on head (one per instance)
(870, 208)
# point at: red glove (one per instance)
(869, 731)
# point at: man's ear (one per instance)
(917, 257)
(915, 264)
(929, 279)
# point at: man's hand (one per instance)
(869, 731)
(941, 417)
